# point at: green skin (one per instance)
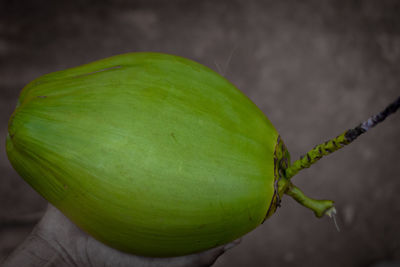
(152, 154)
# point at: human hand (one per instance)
(56, 241)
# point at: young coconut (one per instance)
(155, 154)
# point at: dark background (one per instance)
(315, 68)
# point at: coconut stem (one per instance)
(340, 141)
(320, 207)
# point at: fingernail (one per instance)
(232, 244)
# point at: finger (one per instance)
(201, 259)
(232, 244)
(209, 257)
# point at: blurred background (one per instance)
(315, 68)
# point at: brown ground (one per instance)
(315, 68)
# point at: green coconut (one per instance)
(153, 154)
